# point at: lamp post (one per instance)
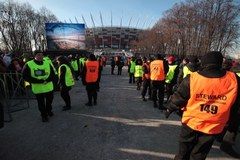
(42, 42)
(165, 48)
(178, 43)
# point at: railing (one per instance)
(14, 94)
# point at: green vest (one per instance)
(47, 59)
(186, 71)
(132, 66)
(82, 61)
(170, 73)
(69, 81)
(138, 71)
(74, 65)
(40, 72)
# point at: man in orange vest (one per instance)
(211, 99)
(90, 78)
(158, 70)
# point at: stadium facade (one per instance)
(113, 37)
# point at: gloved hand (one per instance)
(167, 113)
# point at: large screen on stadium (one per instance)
(65, 36)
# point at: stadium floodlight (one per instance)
(84, 21)
(130, 22)
(92, 20)
(137, 22)
(76, 19)
(101, 19)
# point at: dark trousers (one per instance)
(158, 91)
(76, 74)
(119, 70)
(169, 89)
(112, 69)
(44, 101)
(64, 91)
(139, 82)
(131, 78)
(194, 145)
(92, 92)
(146, 87)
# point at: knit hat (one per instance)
(213, 57)
(171, 59)
(36, 52)
(193, 59)
(91, 57)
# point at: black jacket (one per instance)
(193, 67)
(27, 74)
(180, 98)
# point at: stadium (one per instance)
(98, 39)
(112, 37)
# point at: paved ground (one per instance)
(120, 127)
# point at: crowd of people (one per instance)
(45, 74)
(203, 91)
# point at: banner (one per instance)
(66, 36)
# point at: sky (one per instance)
(134, 13)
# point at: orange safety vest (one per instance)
(92, 71)
(128, 61)
(208, 108)
(157, 70)
(146, 75)
(100, 62)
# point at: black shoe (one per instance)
(95, 103)
(155, 105)
(66, 108)
(50, 114)
(44, 119)
(161, 107)
(227, 148)
(144, 99)
(88, 104)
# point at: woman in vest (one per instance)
(65, 81)
(171, 78)
(40, 74)
(75, 64)
(138, 73)
(211, 99)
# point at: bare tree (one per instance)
(21, 27)
(195, 27)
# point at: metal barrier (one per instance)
(14, 95)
